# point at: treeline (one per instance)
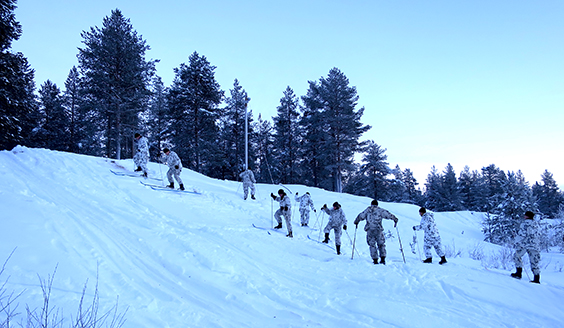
(114, 92)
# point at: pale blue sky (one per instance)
(467, 83)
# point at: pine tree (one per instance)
(287, 138)
(17, 99)
(263, 140)
(335, 102)
(116, 79)
(193, 102)
(549, 196)
(156, 117)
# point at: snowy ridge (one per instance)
(183, 261)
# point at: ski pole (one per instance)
(401, 247)
(354, 241)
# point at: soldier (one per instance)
(248, 182)
(284, 210)
(142, 156)
(432, 237)
(337, 220)
(174, 167)
(374, 229)
(528, 240)
(305, 201)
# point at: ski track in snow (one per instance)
(180, 260)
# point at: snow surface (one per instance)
(186, 260)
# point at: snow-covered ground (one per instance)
(186, 260)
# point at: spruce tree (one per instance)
(116, 79)
(450, 199)
(287, 138)
(374, 171)
(73, 101)
(193, 101)
(549, 196)
(516, 198)
(52, 130)
(471, 189)
(432, 196)
(17, 99)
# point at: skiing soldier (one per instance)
(374, 215)
(248, 182)
(432, 237)
(174, 167)
(284, 210)
(305, 201)
(142, 155)
(528, 240)
(337, 220)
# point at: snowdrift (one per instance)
(187, 260)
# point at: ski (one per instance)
(268, 230)
(133, 175)
(325, 244)
(165, 188)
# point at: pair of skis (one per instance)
(165, 188)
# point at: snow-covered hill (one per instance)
(186, 260)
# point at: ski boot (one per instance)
(338, 249)
(429, 260)
(279, 226)
(290, 235)
(138, 169)
(326, 240)
(145, 175)
(518, 273)
(181, 186)
(253, 197)
(443, 260)
(171, 185)
(375, 261)
(383, 260)
(536, 279)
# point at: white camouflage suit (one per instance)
(305, 201)
(248, 182)
(174, 166)
(336, 222)
(432, 237)
(142, 156)
(374, 229)
(284, 210)
(528, 241)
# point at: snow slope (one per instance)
(186, 260)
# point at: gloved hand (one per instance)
(356, 225)
(324, 206)
(296, 194)
(345, 227)
(395, 224)
(314, 210)
(285, 208)
(176, 167)
(413, 228)
(272, 195)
